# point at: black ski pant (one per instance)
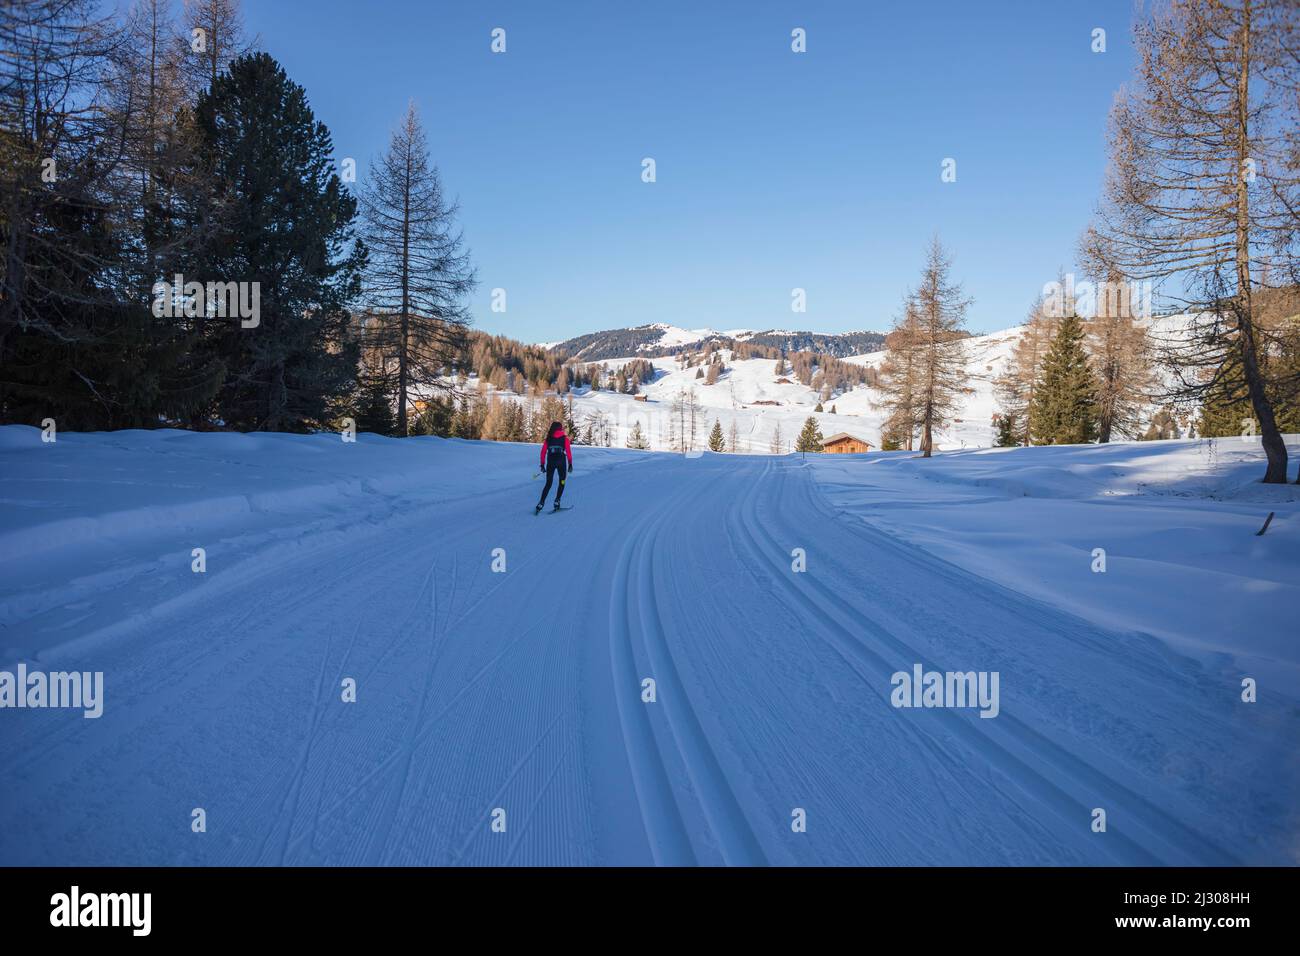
(551, 468)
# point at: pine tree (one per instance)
(1064, 410)
(636, 438)
(1226, 410)
(375, 411)
(810, 438)
(286, 230)
(1007, 435)
(716, 442)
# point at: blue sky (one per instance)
(775, 170)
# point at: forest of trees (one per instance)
(168, 261)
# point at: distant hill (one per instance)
(659, 340)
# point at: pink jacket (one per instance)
(568, 451)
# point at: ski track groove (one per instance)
(665, 829)
(724, 814)
(1181, 839)
(873, 661)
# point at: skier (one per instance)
(555, 449)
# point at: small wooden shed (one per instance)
(845, 444)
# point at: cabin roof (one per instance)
(843, 436)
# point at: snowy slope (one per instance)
(746, 382)
(733, 397)
(521, 689)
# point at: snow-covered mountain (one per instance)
(661, 339)
(759, 402)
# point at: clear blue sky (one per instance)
(775, 170)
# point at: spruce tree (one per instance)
(716, 441)
(637, 439)
(810, 438)
(285, 226)
(1064, 409)
(1226, 410)
(374, 411)
(1005, 430)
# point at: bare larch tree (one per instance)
(419, 271)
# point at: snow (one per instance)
(521, 689)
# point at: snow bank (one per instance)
(1177, 521)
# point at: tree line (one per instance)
(182, 246)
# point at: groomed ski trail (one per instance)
(481, 692)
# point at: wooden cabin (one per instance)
(845, 444)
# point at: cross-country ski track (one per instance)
(522, 691)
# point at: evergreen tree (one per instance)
(716, 441)
(1226, 410)
(438, 418)
(1064, 409)
(286, 229)
(1005, 428)
(636, 438)
(810, 438)
(374, 410)
(570, 419)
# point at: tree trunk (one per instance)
(406, 304)
(1270, 437)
